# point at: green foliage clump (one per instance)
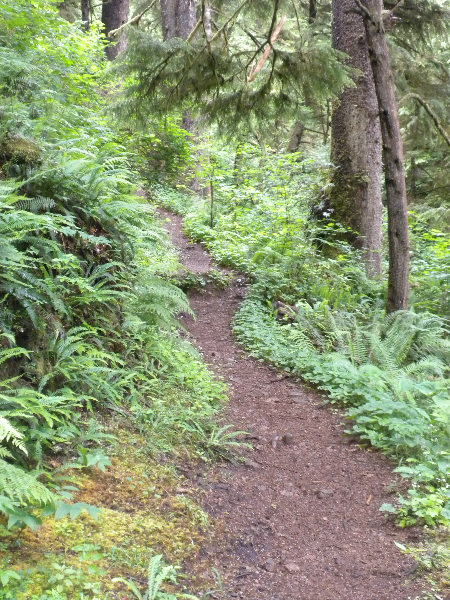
(87, 308)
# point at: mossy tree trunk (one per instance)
(397, 205)
(296, 137)
(115, 14)
(356, 151)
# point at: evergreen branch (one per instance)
(430, 112)
(227, 22)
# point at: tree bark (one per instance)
(178, 21)
(85, 14)
(413, 175)
(356, 151)
(178, 18)
(115, 14)
(296, 137)
(312, 11)
(398, 281)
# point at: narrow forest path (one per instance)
(302, 519)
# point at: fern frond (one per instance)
(22, 487)
(8, 433)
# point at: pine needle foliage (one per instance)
(215, 70)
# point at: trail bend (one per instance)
(301, 519)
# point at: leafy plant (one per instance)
(158, 574)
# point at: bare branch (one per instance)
(266, 54)
(194, 31)
(136, 19)
(364, 10)
(389, 13)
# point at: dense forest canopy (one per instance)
(306, 145)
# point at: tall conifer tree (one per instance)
(115, 14)
(356, 142)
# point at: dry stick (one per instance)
(135, 19)
(386, 14)
(431, 112)
(194, 31)
(266, 54)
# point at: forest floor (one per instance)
(301, 517)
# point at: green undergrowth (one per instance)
(146, 510)
(312, 311)
(100, 396)
(433, 559)
(190, 281)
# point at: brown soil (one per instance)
(302, 516)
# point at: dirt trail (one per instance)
(302, 519)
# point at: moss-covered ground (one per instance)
(146, 509)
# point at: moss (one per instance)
(20, 150)
(145, 511)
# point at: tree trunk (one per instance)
(207, 19)
(356, 151)
(178, 18)
(178, 21)
(312, 11)
(85, 13)
(398, 281)
(115, 14)
(296, 137)
(413, 176)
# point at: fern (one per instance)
(158, 574)
(9, 434)
(22, 487)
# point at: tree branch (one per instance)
(132, 21)
(214, 37)
(266, 54)
(194, 31)
(364, 10)
(389, 13)
(431, 113)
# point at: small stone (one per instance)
(298, 400)
(411, 569)
(324, 493)
(269, 566)
(275, 441)
(288, 439)
(221, 486)
(291, 567)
